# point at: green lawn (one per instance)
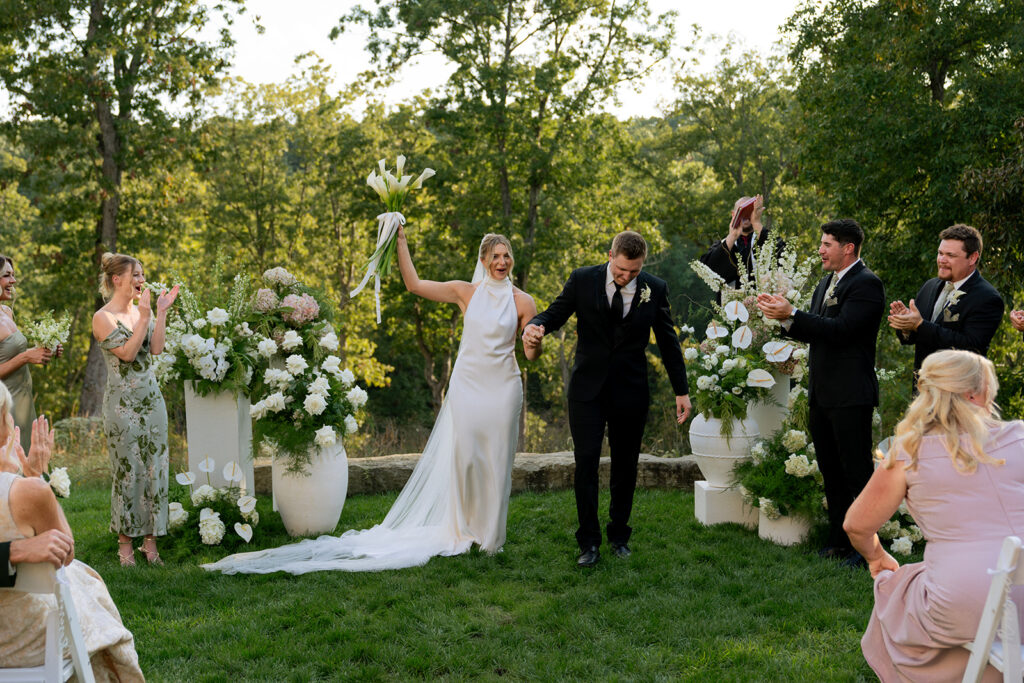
(692, 603)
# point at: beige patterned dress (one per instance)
(110, 645)
(135, 423)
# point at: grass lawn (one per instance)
(692, 603)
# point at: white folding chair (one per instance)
(999, 618)
(62, 630)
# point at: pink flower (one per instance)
(304, 308)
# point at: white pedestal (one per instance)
(714, 505)
(218, 426)
(784, 530)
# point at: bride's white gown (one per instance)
(458, 492)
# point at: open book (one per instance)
(743, 211)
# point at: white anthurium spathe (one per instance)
(778, 351)
(207, 465)
(716, 330)
(246, 504)
(185, 478)
(243, 530)
(760, 378)
(232, 472)
(735, 310)
(742, 337)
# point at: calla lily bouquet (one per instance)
(219, 516)
(302, 398)
(392, 188)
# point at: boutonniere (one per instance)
(954, 297)
(645, 294)
(832, 301)
(950, 317)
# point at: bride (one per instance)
(458, 493)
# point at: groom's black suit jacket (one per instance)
(6, 578)
(969, 324)
(842, 334)
(604, 353)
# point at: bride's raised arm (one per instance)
(450, 292)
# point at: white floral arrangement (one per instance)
(902, 531)
(48, 332)
(214, 508)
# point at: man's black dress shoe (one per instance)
(854, 561)
(588, 557)
(621, 550)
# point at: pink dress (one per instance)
(925, 611)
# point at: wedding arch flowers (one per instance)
(302, 397)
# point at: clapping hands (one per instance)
(166, 299)
(1017, 320)
(774, 306)
(904, 318)
(37, 462)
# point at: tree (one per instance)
(89, 80)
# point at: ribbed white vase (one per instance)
(311, 503)
(716, 455)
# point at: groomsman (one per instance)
(733, 256)
(958, 309)
(841, 328)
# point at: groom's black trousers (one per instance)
(625, 417)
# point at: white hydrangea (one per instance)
(914, 533)
(314, 404)
(890, 529)
(211, 528)
(296, 364)
(267, 348)
(902, 509)
(217, 316)
(798, 466)
(176, 516)
(60, 482)
(902, 546)
(325, 436)
(722, 350)
(728, 364)
(204, 494)
(758, 452)
(347, 377)
(350, 424)
(800, 353)
(199, 323)
(291, 340)
(279, 276)
(770, 509)
(357, 397)
(277, 378)
(794, 440)
(691, 354)
(741, 362)
(810, 449)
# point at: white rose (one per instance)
(217, 316)
(350, 424)
(325, 436)
(737, 390)
(902, 546)
(291, 340)
(347, 377)
(330, 341)
(258, 410)
(211, 528)
(321, 385)
(296, 364)
(332, 364)
(275, 402)
(357, 397)
(203, 494)
(267, 348)
(314, 404)
(690, 354)
(60, 482)
(722, 350)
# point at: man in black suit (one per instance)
(959, 309)
(733, 256)
(616, 306)
(841, 328)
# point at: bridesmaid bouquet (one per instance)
(49, 332)
(393, 188)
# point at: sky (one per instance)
(298, 26)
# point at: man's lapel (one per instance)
(602, 295)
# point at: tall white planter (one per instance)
(218, 426)
(770, 417)
(715, 455)
(785, 530)
(311, 502)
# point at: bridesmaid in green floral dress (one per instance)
(134, 415)
(15, 357)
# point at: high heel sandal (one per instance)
(152, 556)
(126, 560)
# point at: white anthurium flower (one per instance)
(185, 478)
(735, 310)
(760, 378)
(243, 530)
(716, 330)
(246, 504)
(778, 351)
(742, 337)
(207, 465)
(232, 472)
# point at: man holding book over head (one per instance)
(732, 257)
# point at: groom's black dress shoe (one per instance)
(621, 550)
(588, 557)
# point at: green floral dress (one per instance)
(135, 423)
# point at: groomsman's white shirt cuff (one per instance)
(10, 568)
(627, 292)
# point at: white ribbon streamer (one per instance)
(387, 227)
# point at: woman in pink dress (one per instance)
(962, 473)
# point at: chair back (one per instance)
(999, 618)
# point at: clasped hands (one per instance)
(774, 306)
(904, 318)
(1017, 320)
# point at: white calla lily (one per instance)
(243, 530)
(246, 504)
(778, 351)
(716, 330)
(427, 173)
(399, 164)
(760, 378)
(735, 310)
(742, 337)
(207, 465)
(232, 472)
(185, 478)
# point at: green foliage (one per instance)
(183, 530)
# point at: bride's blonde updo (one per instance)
(487, 245)
(941, 407)
(111, 265)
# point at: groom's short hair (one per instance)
(845, 231)
(630, 244)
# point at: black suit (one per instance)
(609, 387)
(6, 578)
(726, 262)
(968, 324)
(842, 333)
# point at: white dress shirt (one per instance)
(627, 291)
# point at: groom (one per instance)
(616, 307)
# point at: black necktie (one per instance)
(617, 304)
